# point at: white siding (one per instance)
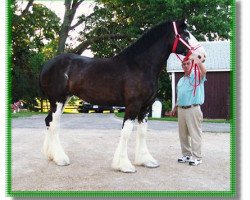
(218, 57)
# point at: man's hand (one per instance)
(171, 113)
(174, 111)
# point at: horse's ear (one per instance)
(183, 21)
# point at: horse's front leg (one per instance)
(142, 155)
(121, 161)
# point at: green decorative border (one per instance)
(233, 92)
(8, 100)
(231, 193)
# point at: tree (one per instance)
(88, 20)
(70, 10)
(130, 19)
(33, 30)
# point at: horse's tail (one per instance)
(44, 68)
(40, 84)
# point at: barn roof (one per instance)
(218, 57)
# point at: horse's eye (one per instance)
(186, 38)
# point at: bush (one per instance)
(166, 106)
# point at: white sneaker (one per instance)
(195, 162)
(184, 159)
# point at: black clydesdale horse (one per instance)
(128, 79)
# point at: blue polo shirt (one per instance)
(185, 91)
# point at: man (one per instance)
(189, 112)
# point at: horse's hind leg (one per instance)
(52, 147)
(142, 155)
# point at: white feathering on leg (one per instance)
(142, 155)
(52, 147)
(121, 161)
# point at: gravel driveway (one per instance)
(90, 141)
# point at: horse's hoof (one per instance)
(63, 161)
(128, 169)
(148, 164)
(151, 164)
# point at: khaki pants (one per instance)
(189, 121)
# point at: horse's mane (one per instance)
(146, 40)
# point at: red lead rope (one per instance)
(196, 69)
(191, 50)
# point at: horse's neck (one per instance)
(155, 57)
(150, 57)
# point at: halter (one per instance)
(191, 50)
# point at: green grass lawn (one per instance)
(31, 113)
(120, 115)
(25, 114)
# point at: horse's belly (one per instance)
(103, 96)
(102, 88)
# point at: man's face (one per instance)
(186, 65)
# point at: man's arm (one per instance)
(202, 70)
(174, 111)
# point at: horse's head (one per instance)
(186, 44)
